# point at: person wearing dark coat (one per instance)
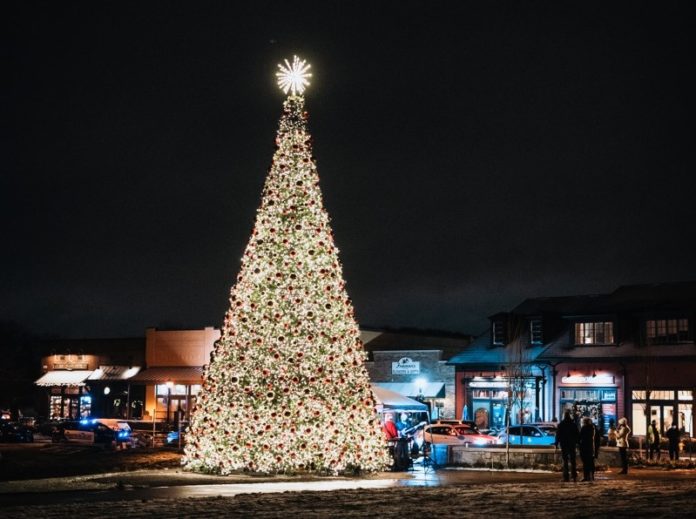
(567, 438)
(587, 448)
(653, 438)
(673, 437)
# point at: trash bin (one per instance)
(439, 454)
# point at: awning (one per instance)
(413, 390)
(64, 377)
(176, 375)
(114, 372)
(391, 400)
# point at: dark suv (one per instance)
(15, 432)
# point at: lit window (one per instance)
(594, 333)
(536, 332)
(667, 331)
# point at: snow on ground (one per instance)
(615, 498)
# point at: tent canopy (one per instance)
(395, 401)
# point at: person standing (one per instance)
(611, 434)
(653, 440)
(622, 443)
(567, 437)
(587, 448)
(673, 437)
(597, 444)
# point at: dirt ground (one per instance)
(44, 460)
(54, 480)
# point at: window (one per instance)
(498, 333)
(667, 331)
(594, 333)
(536, 335)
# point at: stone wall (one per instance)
(521, 458)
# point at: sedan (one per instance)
(527, 435)
(449, 434)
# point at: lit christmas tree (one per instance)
(287, 389)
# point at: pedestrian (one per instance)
(567, 437)
(622, 443)
(673, 437)
(587, 448)
(611, 434)
(653, 440)
(389, 428)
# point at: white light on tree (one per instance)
(287, 389)
(293, 78)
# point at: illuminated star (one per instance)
(293, 77)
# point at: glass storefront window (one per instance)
(662, 395)
(638, 424)
(686, 418)
(685, 395)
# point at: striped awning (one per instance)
(114, 372)
(64, 377)
(176, 375)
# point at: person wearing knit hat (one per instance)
(622, 443)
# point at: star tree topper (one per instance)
(293, 78)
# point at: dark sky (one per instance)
(471, 154)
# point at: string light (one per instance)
(293, 78)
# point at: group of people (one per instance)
(653, 440)
(587, 438)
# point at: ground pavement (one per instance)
(455, 493)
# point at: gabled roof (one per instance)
(482, 354)
(627, 298)
(404, 341)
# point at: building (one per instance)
(415, 365)
(174, 373)
(628, 353)
(83, 377)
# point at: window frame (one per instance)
(667, 330)
(582, 331)
(539, 332)
(498, 328)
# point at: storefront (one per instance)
(488, 396)
(68, 394)
(591, 393)
(665, 406)
(170, 393)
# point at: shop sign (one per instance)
(406, 366)
(70, 365)
(489, 384)
(581, 379)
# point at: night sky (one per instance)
(471, 154)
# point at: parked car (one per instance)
(106, 431)
(453, 434)
(547, 427)
(527, 435)
(15, 432)
(447, 421)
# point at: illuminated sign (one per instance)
(406, 366)
(589, 379)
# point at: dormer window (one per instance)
(499, 333)
(667, 331)
(601, 332)
(536, 332)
